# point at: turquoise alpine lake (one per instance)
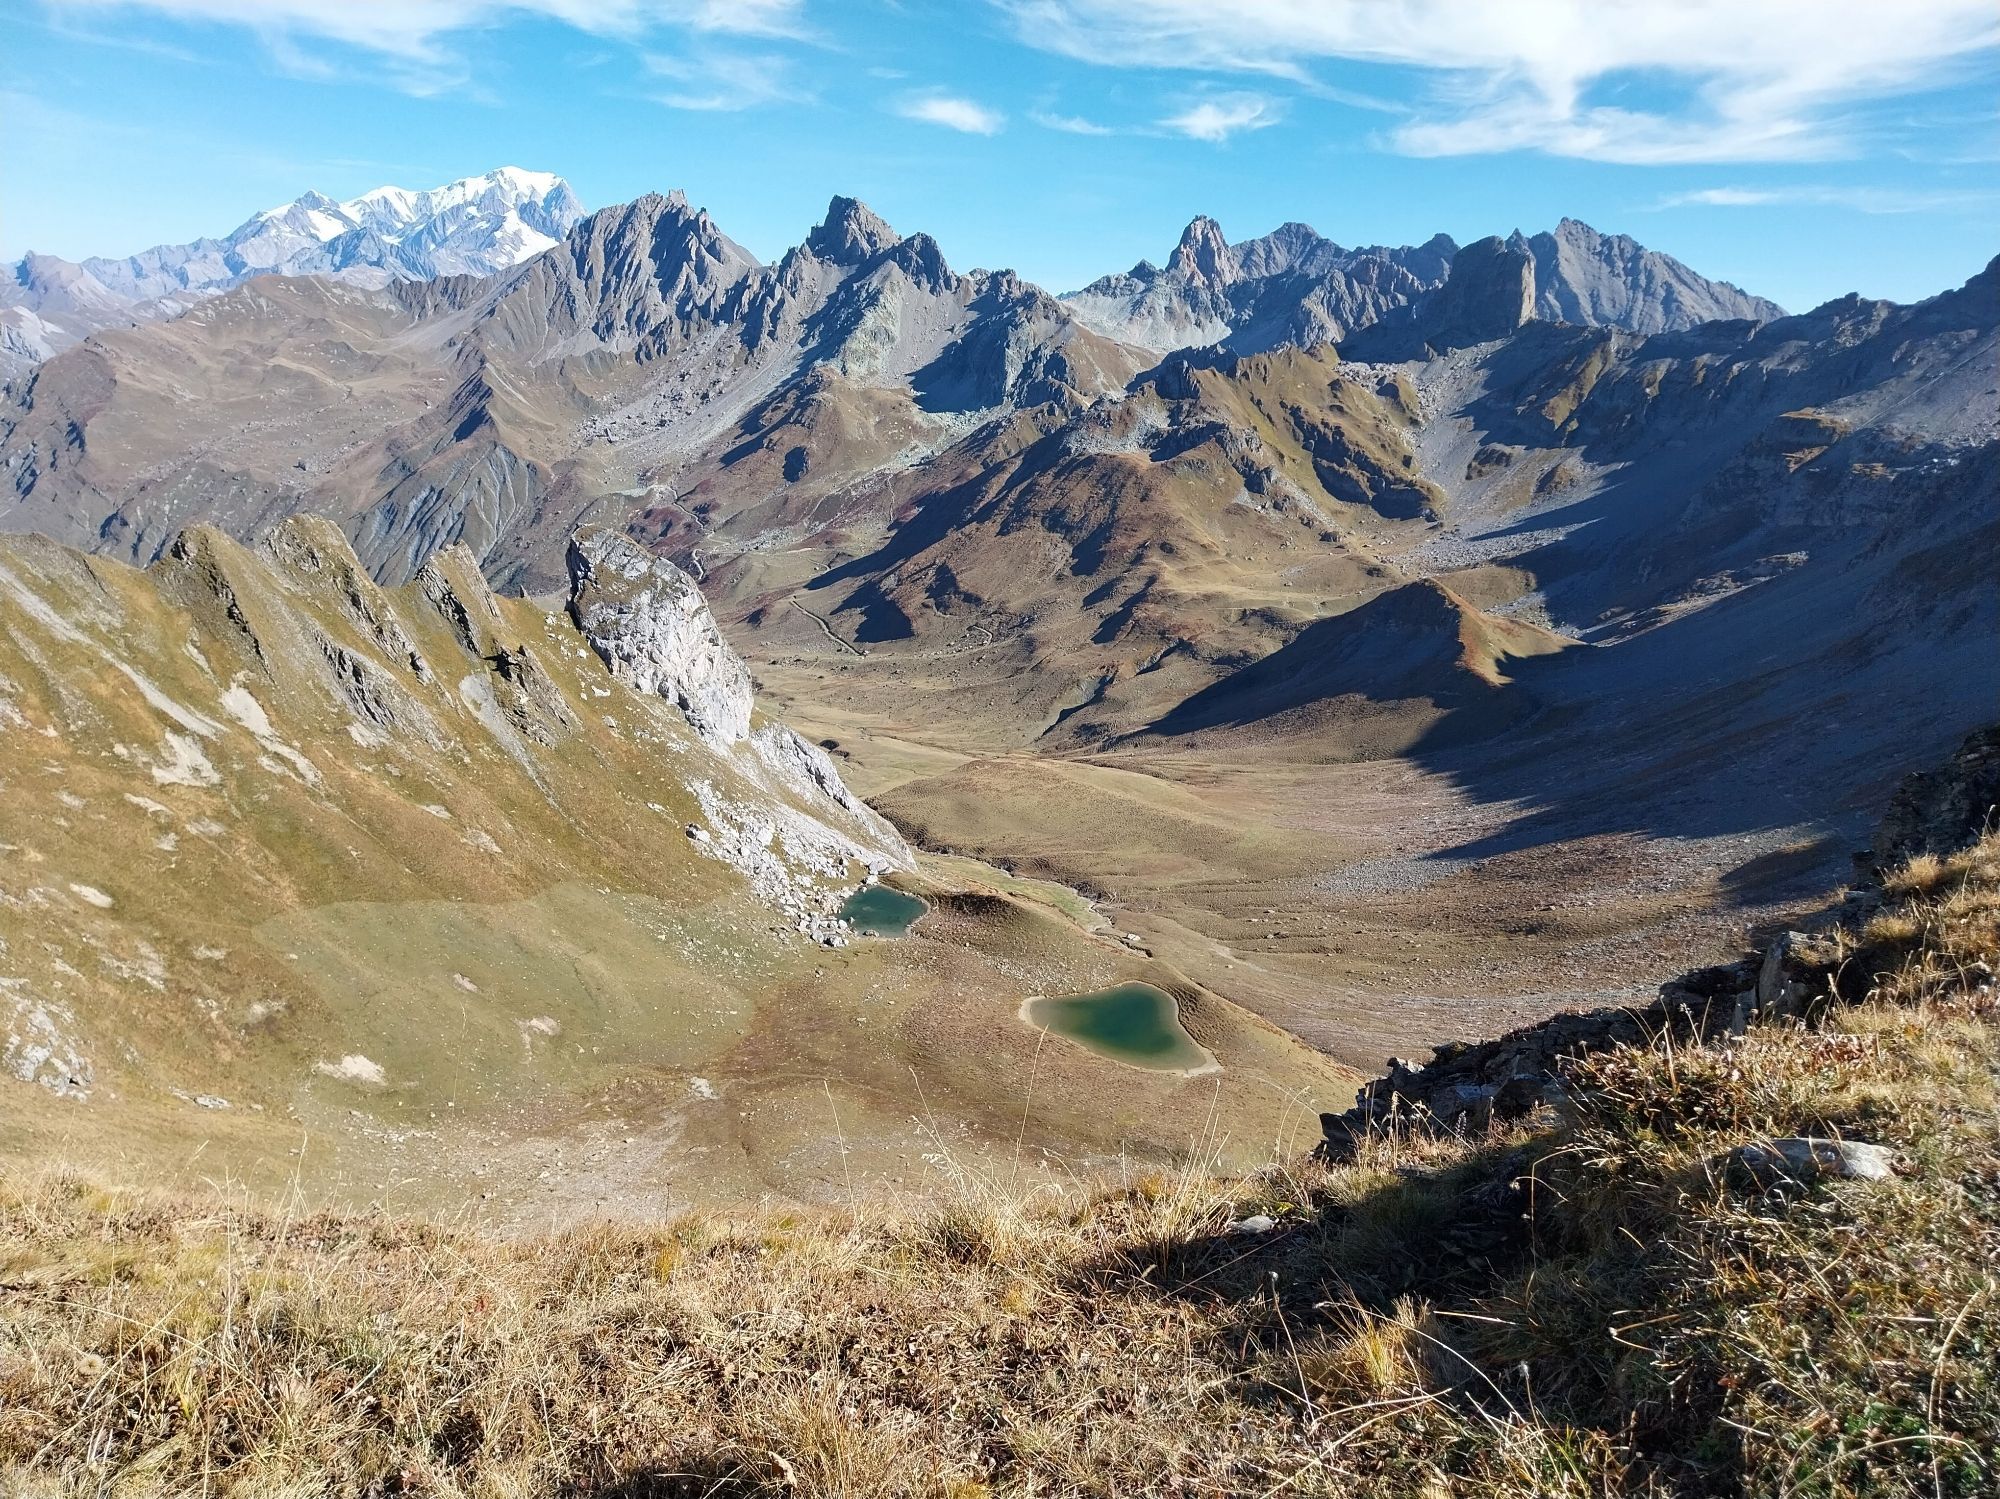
(878, 911)
(1133, 1023)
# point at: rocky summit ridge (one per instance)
(1295, 286)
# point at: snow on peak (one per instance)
(396, 212)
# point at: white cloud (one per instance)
(412, 30)
(1069, 124)
(1735, 80)
(1728, 197)
(709, 80)
(1860, 199)
(952, 112)
(1219, 118)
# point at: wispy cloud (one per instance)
(1860, 199)
(708, 80)
(1726, 80)
(953, 112)
(413, 36)
(1218, 118)
(1069, 124)
(120, 42)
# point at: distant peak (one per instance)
(851, 233)
(1203, 254)
(924, 262)
(1289, 247)
(539, 183)
(393, 208)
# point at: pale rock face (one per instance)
(808, 771)
(1611, 280)
(649, 623)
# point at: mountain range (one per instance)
(1292, 286)
(1456, 569)
(475, 226)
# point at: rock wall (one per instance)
(649, 623)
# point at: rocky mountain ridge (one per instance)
(501, 410)
(1295, 286)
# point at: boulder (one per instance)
(1805, 1159)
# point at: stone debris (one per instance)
(353, 1068)
(1466, 1088)
(1804, 1159)
(37, 1044)
(795, 863)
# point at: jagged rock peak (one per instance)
(923, 262)
(850, 233)
(651, 626)
(1491, 293)
(1289, 247)
(1204, 254)
(650, 209)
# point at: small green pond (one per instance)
(1133, 1023)
(881, 912)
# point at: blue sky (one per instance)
(1801, 148)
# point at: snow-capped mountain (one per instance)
(475, 226)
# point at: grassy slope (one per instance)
(514, 927)
(1586, 1305)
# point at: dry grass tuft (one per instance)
(1594, 1309)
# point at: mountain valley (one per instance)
(1388, 645)
(431, 897)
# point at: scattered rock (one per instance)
(353, 1068)
(1805, 1159)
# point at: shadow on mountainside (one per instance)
(1782, 614)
